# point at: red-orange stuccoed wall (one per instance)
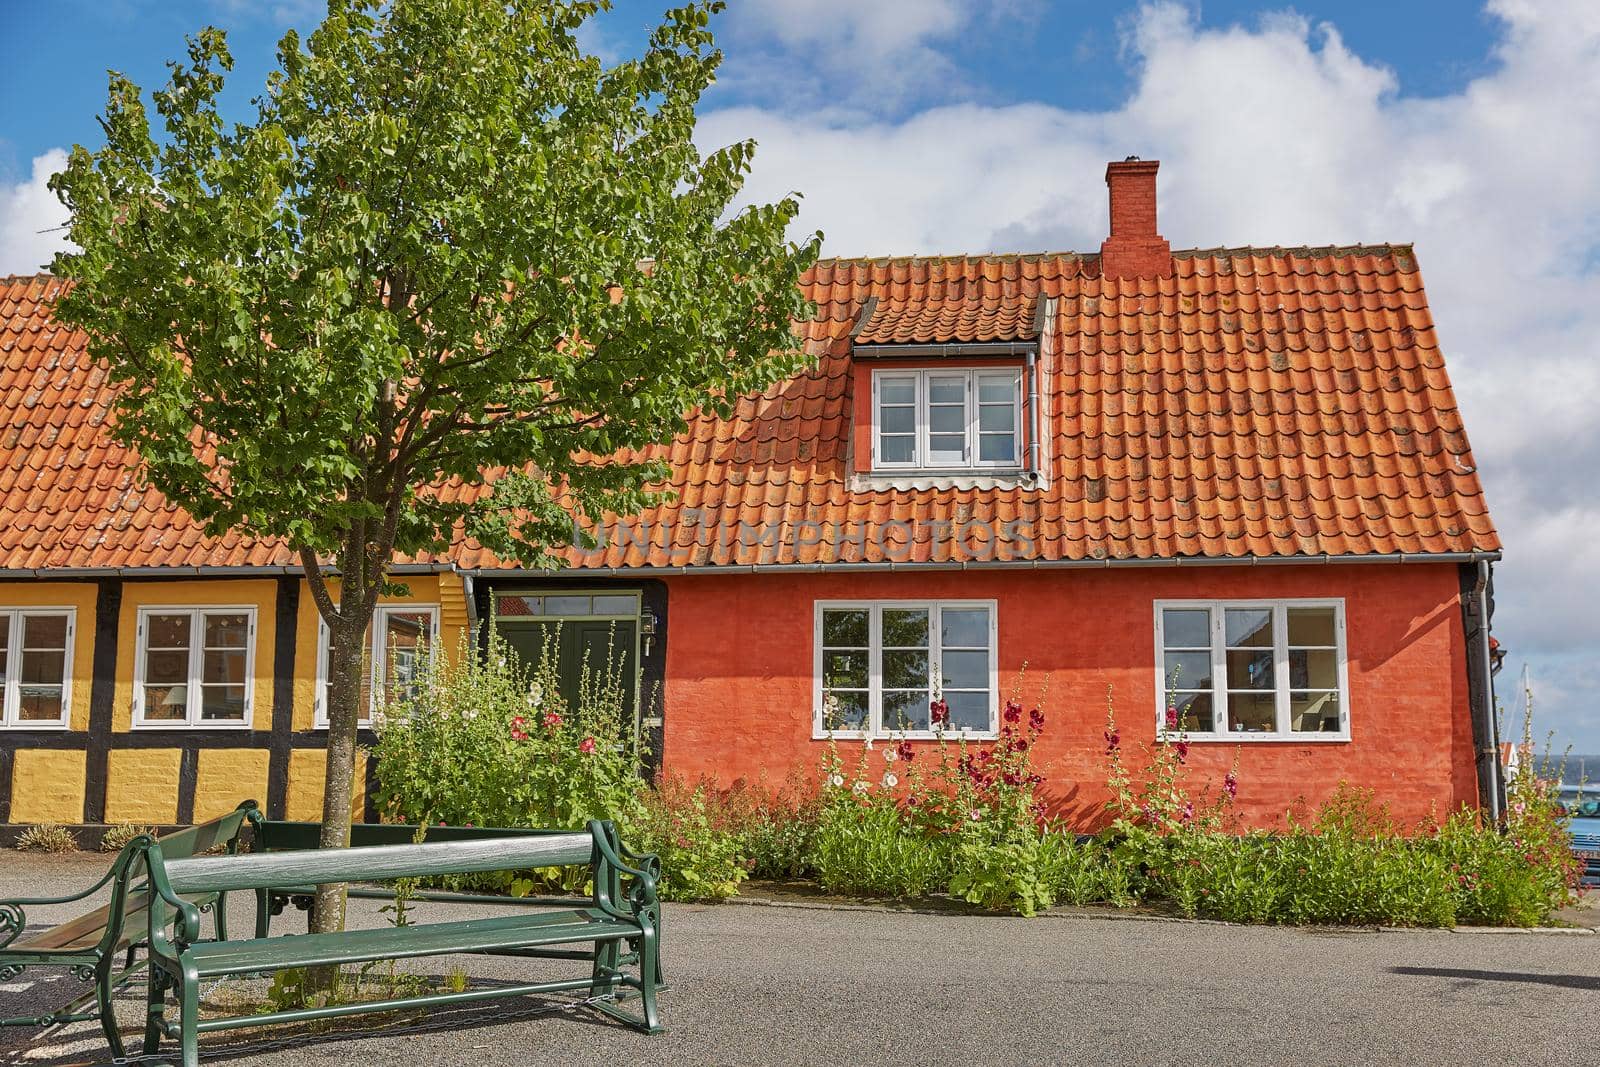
(739, 675)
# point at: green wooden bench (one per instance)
(621, 928)
(90, 944)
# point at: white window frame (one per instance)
(1280, 657)
(380, 617)
(193, 721)
(922, 451)
(819, 727)
(11, 702)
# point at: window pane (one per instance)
(1194, 712)
(167, 631)
(966, 670)
(897, 420)
(47, 667)
(905, 669)
(949, 420)
(1186, 628)
(222, 702)
(845, 628)
(1187, 670)
(166, 667)
(1250, 669)
(968, 711)
(845, 669)
(1311, 626)
(897, 390)
(906, 710)
(997, 417)
(897, 449)
(42, 631)
(614, 604)
(518, 605)
(997, 448)
(166, 702)
(227, 631)
(1313, 669)
(995, 388)
(947, 448)
(964, 628)
(566, 605)
(850, 714)
(222, 665)
(947, 390)
(5, 665)
(1251, 627)
(39, 703)
(1314, 712)
(905, 628)
(1252, 712)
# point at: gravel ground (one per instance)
(782, 985)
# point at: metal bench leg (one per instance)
(189, 1035)
(649, 978)
(607, 955)
(263, 911)
(154, 1003)
(102, 1001)
(221, 907)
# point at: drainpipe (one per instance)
(1033, 412)
(1491, 776)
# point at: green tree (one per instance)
(451, 249)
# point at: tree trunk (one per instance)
(346, 640)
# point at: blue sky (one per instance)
(1470, 129)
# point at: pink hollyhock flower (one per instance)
(1230, 784)
(586, 746)
(1172, 717)
(551, 720)
(1013, 711)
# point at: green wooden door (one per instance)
(605, 647)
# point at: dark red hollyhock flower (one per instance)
(1020, 744)
(1011, 779)
(939, 712)
(1183, 750)
(905, 751)
(1013, 711)
(1113, 740)
(1036, 718)
(985, 756)
(586, 746)
(1230, 784)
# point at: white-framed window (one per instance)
(399, 644)
(947, 419)
(194, 667)
(36, 667)
(884, 662)
(1254, 670)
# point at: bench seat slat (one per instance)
(398, 942)
(376, 862)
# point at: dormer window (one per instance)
(947, 420)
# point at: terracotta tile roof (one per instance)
(1277, 402)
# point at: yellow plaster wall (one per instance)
(47, 786)
(258, 593)
(79, 595)
(227, 776)
(307, 772)
(445, 590)
(142, 785)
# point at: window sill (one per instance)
(25, 727)
(241, 727)
(885, 480)
(1259, 739)
(910, 735)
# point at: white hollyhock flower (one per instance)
(836, 780)
(890, 781)
(861, 787)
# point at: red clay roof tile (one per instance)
(1274, 402)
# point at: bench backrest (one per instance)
(276, 835)
(207, 874)
(207, 835)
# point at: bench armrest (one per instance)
(186, 921)
(646, 874)
(13, 916)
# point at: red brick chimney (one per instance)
(1134, 249)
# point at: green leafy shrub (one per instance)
(702, 857)
(863, 847)
(47, 837)
(776, 826)
(1088, 872)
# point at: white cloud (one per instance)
(1277, 133)
(31, 217)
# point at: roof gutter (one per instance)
(58, 573)
(965, 348)
(981, 565)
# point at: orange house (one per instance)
(1230, 480)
